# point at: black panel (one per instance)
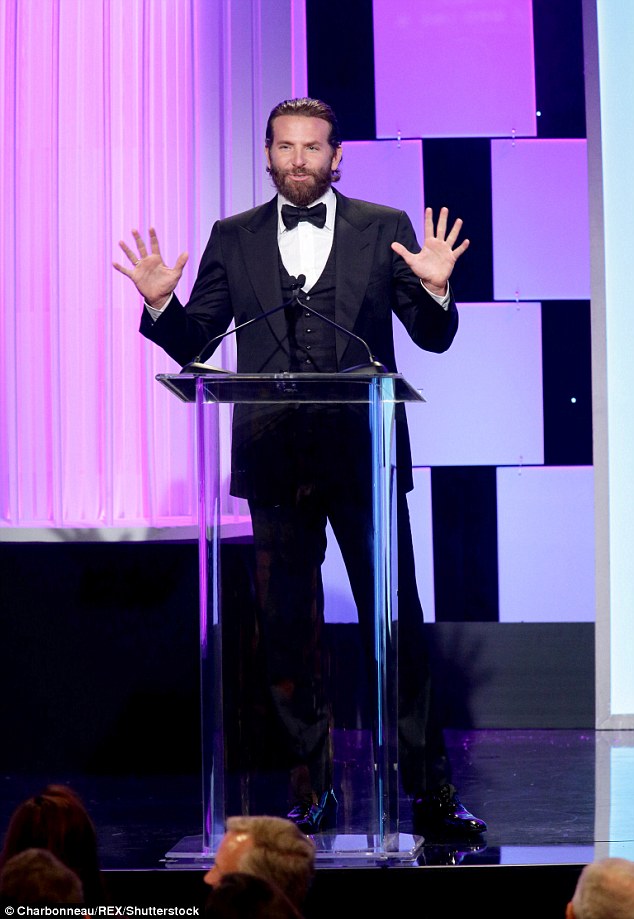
(530, 675)
(464, 503)
(457, 175)
(340, 50)
(100, 657)
(567, 380)
(559, 68)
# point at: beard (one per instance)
(302, 194)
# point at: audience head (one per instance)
(605, 890)
(36, 877)
(57, 820)
(271, 848)
(245, 896)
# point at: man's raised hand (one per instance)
(435, 261)
(151, 276)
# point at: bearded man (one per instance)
(298, 470)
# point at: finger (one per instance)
(181, 261)
(400, 249)
(441, 228)
(429, 222)
(128, 251)
(154, 243)
(454, 232)
(461, 248)
(139, 243)
(125, 271)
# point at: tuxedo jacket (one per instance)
(239, 279)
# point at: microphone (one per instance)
(198, 365)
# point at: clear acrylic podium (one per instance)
(235, 772)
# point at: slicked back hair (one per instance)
(307, 108)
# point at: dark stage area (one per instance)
(536, 789)
(100, 673)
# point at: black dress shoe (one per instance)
(450, 855)
(442, 814)
(311, 818)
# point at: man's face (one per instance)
(230, 851)
(300, 158)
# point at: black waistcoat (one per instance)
(312, 342)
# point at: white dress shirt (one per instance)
(305, 248)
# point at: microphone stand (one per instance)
(198, 365)
(373, 365)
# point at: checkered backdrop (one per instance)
(479, 105)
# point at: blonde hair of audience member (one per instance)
(268, 847)
(605, 890)
(36, 877)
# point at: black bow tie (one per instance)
(292, 215)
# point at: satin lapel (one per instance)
(356, 237)
(258, 243)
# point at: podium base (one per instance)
(331, 848)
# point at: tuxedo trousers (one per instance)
(290, 547)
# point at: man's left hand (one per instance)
(435, 261)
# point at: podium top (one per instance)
(290, 387)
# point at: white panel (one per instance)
(546, 544)
(609, 34)
(386, 172)
(541, 247)
(484, 395)
(339, 604)
(614, 783)
(621, 832)
(299, 54)
(454, 68)
(546, 855)
(257, 32)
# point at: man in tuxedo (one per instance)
(299, 469)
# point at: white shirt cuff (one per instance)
(155, 314)
(442, 301)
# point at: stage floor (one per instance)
(548, 797)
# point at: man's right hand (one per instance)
(151, 276)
